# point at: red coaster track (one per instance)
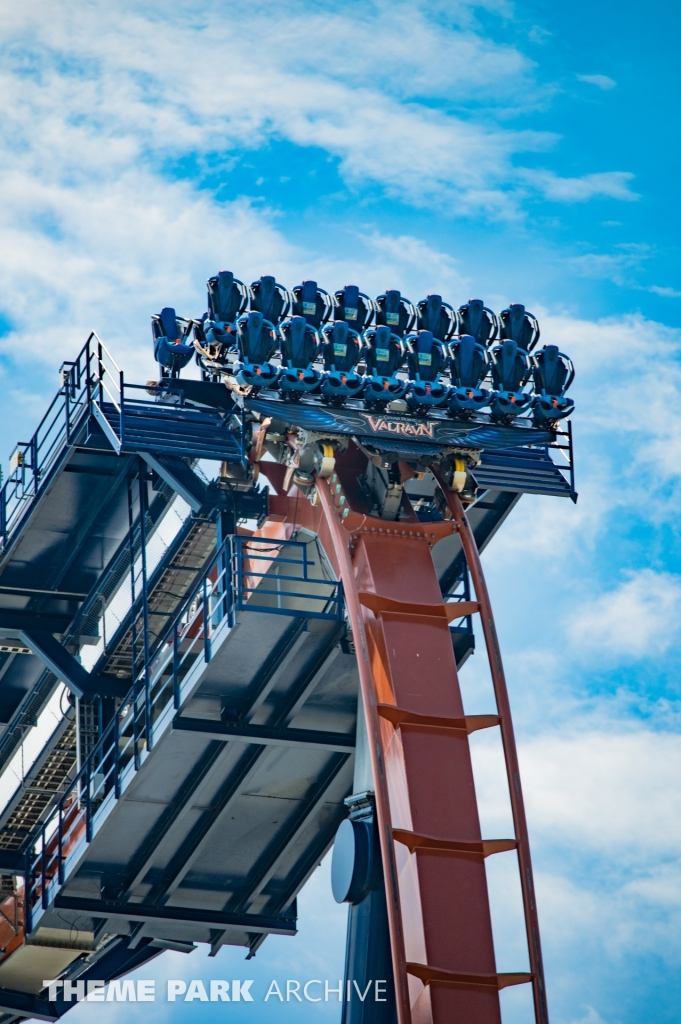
(432, 848)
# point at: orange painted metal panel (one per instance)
(431, 844)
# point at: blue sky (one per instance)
(517, 151)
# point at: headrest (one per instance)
(353, 306)
(512, 364)
(515, 320)
(475, 312)
(308, 293)
(296, 328)
(391, 307)
(518, 324)
(310, 303)
(220, 294)
(554, 369)
(350, 297)
(433, 310)
(466, 348)
(382, 336)
(168, 320)
(266, 289)
(339, 333)
(425, 341)
(254, 322)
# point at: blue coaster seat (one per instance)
(257, 341)
(436, 316)
(299, 349)
(477, 320)
(172, 349)
(468, 367)
(270, 298)
(353, 306)
(427, 360)
(520, 326)
(312, 303)
(553, 375)
(511, 370)
(227, 299)
(341, 348)
(384, 355)
(395, 312)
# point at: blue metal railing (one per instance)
(261, 588)
(245, 575)
(567, 450)
(91, 385)
(32, 460)
(92, 377)
(460, 592)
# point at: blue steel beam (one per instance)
(266, 735)
(178, 475)
(175, 915)
(65, 667)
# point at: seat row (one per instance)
(378, 350)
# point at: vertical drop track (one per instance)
(432, 848)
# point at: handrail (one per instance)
(92, 378)
(32, 460)
(227, 585)
(93, 334)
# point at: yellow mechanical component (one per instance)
(328, 463)
(459, 479)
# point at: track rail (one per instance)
(431, 844)
(510, 751)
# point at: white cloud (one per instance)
(638, 619)
(88, 96)
(600, 81)
(539, 35)
(612, 184)
(670, 293)
(609, 792)
(611, 266)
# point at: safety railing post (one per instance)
(34, 463)
(229, 582)
(100, 373)
(238, 596)
(572, 460)
(67, 405)
(206, 621)
(117, 757)
(145, 599)
(176, 681)
(28, 915)
(43, 871)
(133, 629)
(88, 820)
(121, 387)
(60, 842)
